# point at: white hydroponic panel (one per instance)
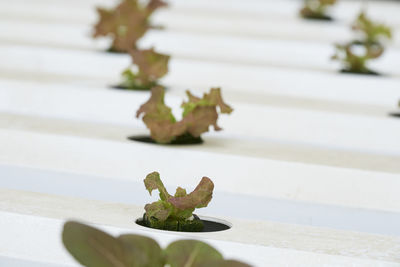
(247, 83)
(78, 11)
(306, 169)
(274, 52)
(227, 204)
(259, 243)
(237, 174)
(328, 130)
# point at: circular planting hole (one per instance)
(210, 225)
(125, 88)
(114, 51)
(185, 139)
(319, 18)
(372, 73)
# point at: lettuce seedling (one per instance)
(316, 9)
(127, 23)
(356, 54)
(371, 32)
(176, 212)
(198, 115)
(92, 247)
(150, 65)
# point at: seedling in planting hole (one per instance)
(198, 115)
(150, 65)
(316, 9)
(356, 54)
(175, 213)
(92, 247)
(127, 23)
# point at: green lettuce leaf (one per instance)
(357, 63)
(373, 32)
(153, 182)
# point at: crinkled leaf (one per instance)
(212, 99)
(92, 247)
(180, 192)
(199, 198)
(199, 120)
(153, 182)
(141, 251)
(158, 117)
(126, 24)
(199, 114)
(152, 65)
(190, 253)
(160, 210)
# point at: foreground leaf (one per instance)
(223, 263)
(190, 253)
(141, 251)
(92, 247)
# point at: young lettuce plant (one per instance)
(356, 54)
(198, 115)
(151, 66)
(175, 213)
(316, 9)
(92, 247)
(127, 23)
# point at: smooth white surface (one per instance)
(79, 67)
(292, 86)
(328, 130)
(294, 54)
(236, 174)
(294, 241)
(344, 12)
(76, 35)
(233, 205)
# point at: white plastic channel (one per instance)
(252, 176)
(258, 243)
(66, 66)
(320, 129)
